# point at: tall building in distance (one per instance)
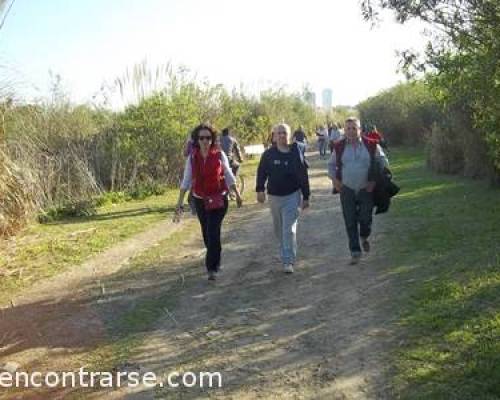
(327, 99)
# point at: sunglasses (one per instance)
(204, 137)
(281, 132)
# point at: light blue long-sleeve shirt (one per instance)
(335, 135)
(355, 164)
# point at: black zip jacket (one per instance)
(284, 173)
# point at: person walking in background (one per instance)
(300, 135)
(208, 174)
(231, 148)
(377, 136)
(284, 170)
(333, 136)
(373, 134)
(352, 168)
(330, 127)
(322, 135)
(188, 149)
(271, 140)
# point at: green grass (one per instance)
(445, 239)
(44, 250)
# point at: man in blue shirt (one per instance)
(351, 168)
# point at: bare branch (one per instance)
(2, 5)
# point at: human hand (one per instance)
(179, 210)
(338, 185)
(239, 200)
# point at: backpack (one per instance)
(296, 148)
(385, 188)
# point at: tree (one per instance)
(463, 58)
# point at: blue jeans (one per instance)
(322, 145)
(357, 209)
(285, 213)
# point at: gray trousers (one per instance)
(285, 213)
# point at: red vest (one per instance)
(375, 136)
(339, 147)
(208, 174)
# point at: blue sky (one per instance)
(323, 43)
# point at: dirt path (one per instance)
(321, 333)
(47, 325)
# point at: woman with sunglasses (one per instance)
(284, 169)
(209, 176)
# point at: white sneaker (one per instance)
(288, 268)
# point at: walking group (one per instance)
(355, 163)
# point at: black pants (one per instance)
(357, 209)
(211, 222)
(235, 166)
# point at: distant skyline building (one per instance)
(327, 99)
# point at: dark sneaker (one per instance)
(365, 244)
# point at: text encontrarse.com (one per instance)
(89, 379)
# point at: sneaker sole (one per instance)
(355, 260)
(288, 271)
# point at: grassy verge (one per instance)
(445, 236)
(43, 250)
(137, 296)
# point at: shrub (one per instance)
(73, 209)
(142, 191)
(404, 113)
(111, 198)
(445, 150)
(16, 200)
